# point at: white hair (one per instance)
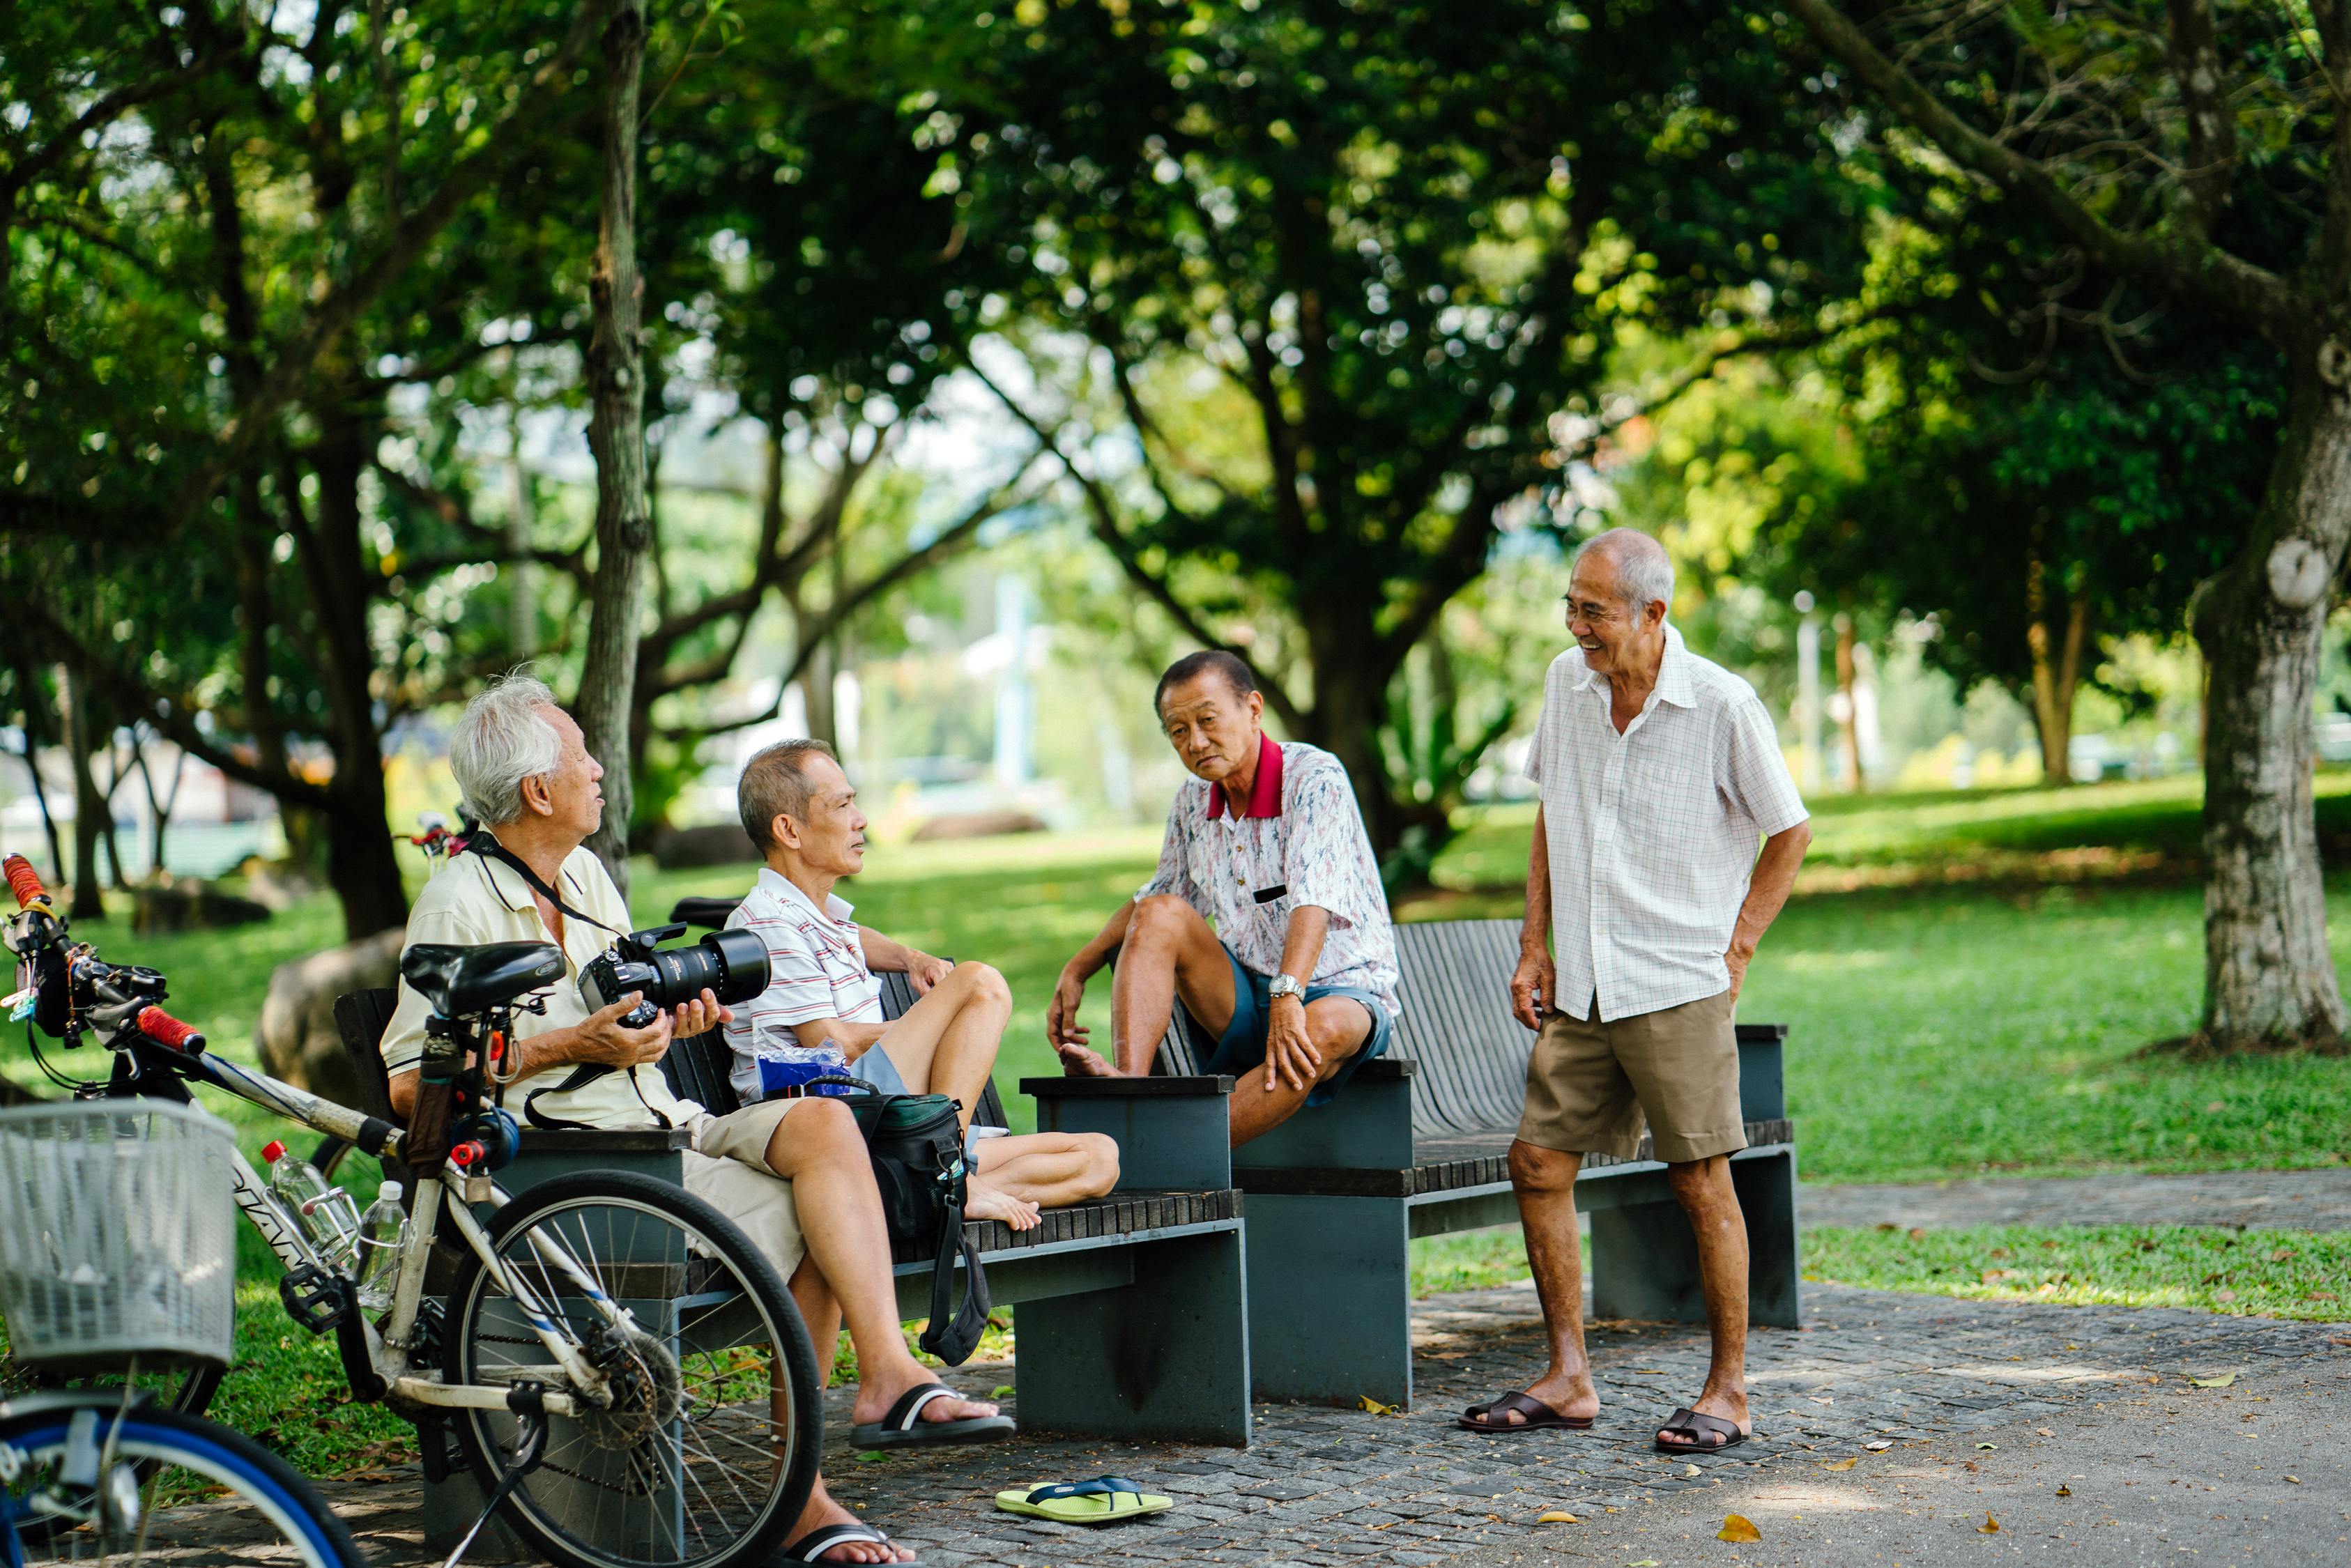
(502, 739)
(1643, 571)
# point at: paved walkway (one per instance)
(1327, 1488)
(2283, 1201)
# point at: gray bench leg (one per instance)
(1167, 1357)
(1644, 1259)
(1331, 1297)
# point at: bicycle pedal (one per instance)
(315, 1298)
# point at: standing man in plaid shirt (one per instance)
(1659, 773)
(1296, 975)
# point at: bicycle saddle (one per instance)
(701, 911)
(459, 981)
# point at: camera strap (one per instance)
(486, 844)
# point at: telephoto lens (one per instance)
(732, 964)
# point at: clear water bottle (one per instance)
(786, 1064)
(383, 1229)
(326, 1214)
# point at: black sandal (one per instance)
(1699, 1428)
(1539, 1417)
(903, 1427)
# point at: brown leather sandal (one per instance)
(1539, 1417)
(1702, 1429)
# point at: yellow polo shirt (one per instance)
(476, 900)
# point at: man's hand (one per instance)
(600, 1036)
(1737, 962)
(1061, 1025)
(703, 1012)
(1289, 1050)
(924, 971)
(1534, 987)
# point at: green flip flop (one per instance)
(1106, 1500)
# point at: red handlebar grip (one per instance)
(23, 881)
(170, 1032)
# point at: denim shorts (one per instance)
(1242, 1045)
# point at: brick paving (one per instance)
(2284, 1200)
(1329, 1487)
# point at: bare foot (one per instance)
(1084, 1062)
(982, 1201)
(1571, 1396)
(882, 1390)
(822, 1510)
(1724, 1404)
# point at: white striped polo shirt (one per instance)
(816, 970)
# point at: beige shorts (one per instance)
(1591, 1085)
(727, 1169)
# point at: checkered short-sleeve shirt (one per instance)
(1653, 833)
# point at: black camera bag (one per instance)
(915, 1142)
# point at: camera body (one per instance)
(732, 964)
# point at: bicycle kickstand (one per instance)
(530, 1447)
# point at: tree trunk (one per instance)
(522, 601)
(159, 805)
(89, 901)
(617, 437)
(2269, 977)
(2056, 674)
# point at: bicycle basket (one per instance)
(117, 1236)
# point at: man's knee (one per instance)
(1338, 1032)
(1100, 1153)
(1534, 1168)
(1698, 1182)
(819, 1123)
(1162, 914)
(984, 983)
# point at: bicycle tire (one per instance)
(155, 1442)
(190, 1394)
(544, 1516)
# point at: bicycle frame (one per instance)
(387, 1351)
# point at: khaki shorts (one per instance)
(1590, 1085)
(727, 1169)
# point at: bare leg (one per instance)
(1544, 1181)
(823, 1315)
(1050, 1170)
(1171, 951)
(946, 1042)
(817, 1148)
(1338, 1026)
(1712, 1204)
(822, 1510)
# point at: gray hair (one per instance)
(1643, 571)
(775, 783)
(502, 739)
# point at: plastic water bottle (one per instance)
(383, 1229)
(326, 1214)
(786, 1064)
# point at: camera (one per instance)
(733, 964)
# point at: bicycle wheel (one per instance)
(175, 1489)
(172, 1385)
(708, 1451)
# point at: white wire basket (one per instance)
(117, 1234)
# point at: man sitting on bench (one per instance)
(802, 811)
(793, 1174)
(1296, 978)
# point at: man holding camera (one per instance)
(804, 1193)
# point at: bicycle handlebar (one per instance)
(169, 1033)
(25, 882)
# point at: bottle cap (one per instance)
(273, 1152)
(390, 1189)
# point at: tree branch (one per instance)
(2184, 264)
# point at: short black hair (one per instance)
(1192, 667)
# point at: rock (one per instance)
(978, 825)
(189, 905)
(297, 1036)
(720, 844)
(275, 884)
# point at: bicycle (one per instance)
(115, 1250)
(623, 1372)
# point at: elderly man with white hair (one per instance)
(793, 1174)
(1659, 773)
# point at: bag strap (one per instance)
(953, 1339)
(486, 844)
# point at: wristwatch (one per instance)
(1284, 986)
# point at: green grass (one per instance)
(2272, 1274)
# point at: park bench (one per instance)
(1134, 1304)
(1418, 1145)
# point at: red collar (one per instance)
(1265, 792)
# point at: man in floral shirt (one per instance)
(1265, 919)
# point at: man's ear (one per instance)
(1257, 708)
(784, 830)
(536, 796)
